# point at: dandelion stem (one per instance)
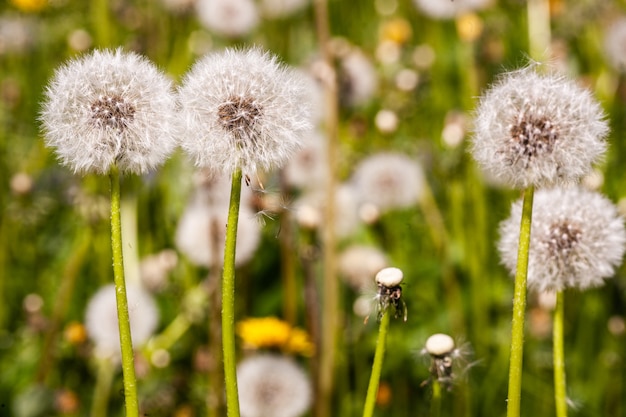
(435, 405)
(372, 389)
(102, 390)
(560, 396)
(228, 298)
(519, 308)
(126, 342)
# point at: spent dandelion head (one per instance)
(444, 357)
(577, 239)
(389, 294)
(101, 319)
(243, 110)
(538, 129)
(110, 107)
(272, 385)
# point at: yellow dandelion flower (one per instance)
(30, 6)
(397, 30)
(273, 333)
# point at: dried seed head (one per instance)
(439, 344)
(577, 239)
(541, 130)
(389, 277)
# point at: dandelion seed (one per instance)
(230, 18)
(540, 130)
(271, 385)
(243, 110)
(101, 319)
(577, 239)
(389, 181)
(110, 107)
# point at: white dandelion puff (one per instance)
(229, 18)
(271, 385)
(577, 239)
(243, 110)
(538, 129)
(101, 319)
(110, 107)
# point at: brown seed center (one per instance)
(533, 137)
(112, 112)
(563, 237)
(239, 116)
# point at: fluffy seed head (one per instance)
(110, 107)
(389, 277)
(271, 385)
(242, 110)
(439, 344)
(534, 129)
(201, 232)
(615, 45)
(577, 239)
(389, 180)
(101, 319)
(230, 18)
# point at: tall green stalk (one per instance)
(228, 298)
(435, 405)
(560, 395)
(372, 389)
(126, 342)
(519, 308)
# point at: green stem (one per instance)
(435, 405)
(126, 341)
(228, 298)
(372, 389)
(519, 308)
(560, 396)
(102, 390)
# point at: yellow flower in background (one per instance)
(273, 333)
(30, 6)
(397, 30)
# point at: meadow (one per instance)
(386, 78)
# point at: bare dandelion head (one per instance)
(389, 293)
(446, 359)
(577, 239)
(272, 385)
(110, 107)
(243, 110)
(541, 130)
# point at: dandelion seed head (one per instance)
(201, 233)
(110, 107)
(101, 319)
(615, 44)
(577, 239)
(439, 344)
(271, 385)
(229, 18)
(243, 110)
(389, 180)
(358, 79)
(541, 130)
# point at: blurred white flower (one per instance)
(538, 129)
(577, 239)
(358, 80)
(17, 34)
(101, 319)
(308, 168)
(275, 9)
(243, 110)
(201, 232)
(310, 208)
(389, 180)
(230, 18)
(359, 263)
(615, 44)
(272, 385)
(154, 269)
(110, 107)
(448, 9)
